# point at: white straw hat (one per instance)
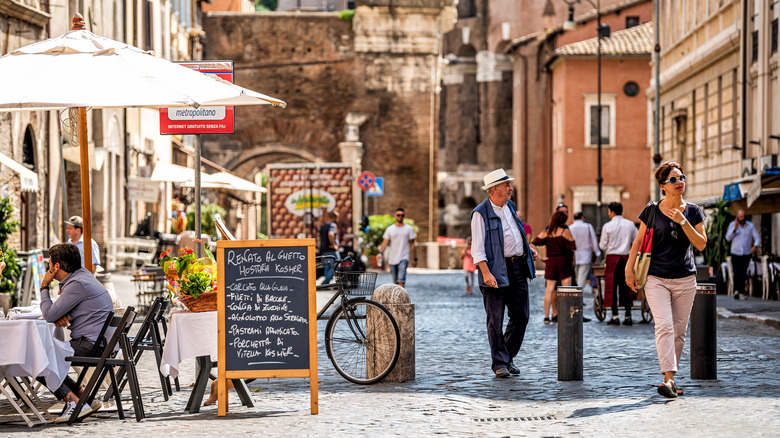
(495, 177)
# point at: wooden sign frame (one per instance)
(311, 371)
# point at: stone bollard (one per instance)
(396, 299)
(704, 333)
(569, 333)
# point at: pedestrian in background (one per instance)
(559, 265)
(529, 232)
(329, 242)
(587, 249)
(671, 279)
(469, 267)
(400, 237)
(75, 230)
(506, 262)
(744, 240)
(617, 235)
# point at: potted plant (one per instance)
(718, 248)
(192, 280)
(207, 213)
(11, 272)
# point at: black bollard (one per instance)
(704, 333)
(569, 333)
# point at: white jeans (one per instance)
(581, 272)
(670, 300)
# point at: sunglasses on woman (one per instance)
(674, 179)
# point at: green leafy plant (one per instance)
(207, 213)
(377, 224)
(196, 284)
(266, 5)
(7, 227)
(717, 248)
(347, 14)
(188, 275)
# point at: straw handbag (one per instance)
(642, 262)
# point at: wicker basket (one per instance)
(206, 302)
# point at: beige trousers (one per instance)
(670, 300)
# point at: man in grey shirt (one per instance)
(83, 305)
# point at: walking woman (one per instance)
(671, 280)
(559, 264)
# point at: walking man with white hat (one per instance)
(506, 262)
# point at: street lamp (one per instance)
(603, 32)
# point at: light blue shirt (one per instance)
(743, 239)
(95, 251)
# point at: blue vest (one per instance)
(494, 244)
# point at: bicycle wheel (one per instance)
(363, 342)
(598, 305)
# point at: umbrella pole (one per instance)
(85, 197)
(198, 246)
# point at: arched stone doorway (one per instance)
(29, 200)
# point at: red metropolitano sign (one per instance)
(206, 119)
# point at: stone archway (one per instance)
(250, 162)
(247, 165)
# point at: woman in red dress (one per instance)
(559, 263)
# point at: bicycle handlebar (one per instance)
(332, 260)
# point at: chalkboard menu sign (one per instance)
(266, 311)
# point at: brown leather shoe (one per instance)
(502, 372)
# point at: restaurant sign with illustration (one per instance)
(300, 193)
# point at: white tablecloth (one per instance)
(189, 335)
(29, 348)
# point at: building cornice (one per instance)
(21, 11)
(713, 50)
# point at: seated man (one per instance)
(84, 304)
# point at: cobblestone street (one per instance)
(455, 393)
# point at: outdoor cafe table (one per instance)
(30, 348)
(194, 334)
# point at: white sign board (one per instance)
(143, 189)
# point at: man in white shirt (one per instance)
(75, 230)
(506, 262)
(400, 237)
(617, 236)
(744, 240)
(587, 250)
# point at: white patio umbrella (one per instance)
(80, 69)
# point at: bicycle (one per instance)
(361, 337)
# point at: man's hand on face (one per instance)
(49, 276)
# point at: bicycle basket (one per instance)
(355, 282)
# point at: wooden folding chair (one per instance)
(106, 364)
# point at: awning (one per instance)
(759, 193)
(235, 182)
(185, 176)
(164, 172)
(28, 178)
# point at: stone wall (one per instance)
(309, 61)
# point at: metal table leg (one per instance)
(243, 393)
(203, 369)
